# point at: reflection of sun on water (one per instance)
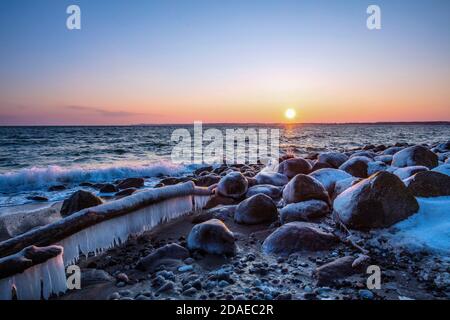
(290, 114)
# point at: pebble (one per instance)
(185, 268)
(121, 284)
(168, 286)
(365, 294)
(190, 292)
(223, 283)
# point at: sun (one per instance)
(290, 113)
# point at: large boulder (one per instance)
(415, 156)
(344, 184)
(329, 176)
(304, 211)
(406, 172)
(377, 202)
(376, 166)
(267, 189)
(273, 178)
(233, 185)
(392, 150)
(356, 166)
(429, 184)
(334, 159)
(320, 165)
(162, 255)
(131, 183)
(294, 166)
(298, 236)
(443, 168)
(256, 209)
(302, 188)
(78, 201)
(212, 237)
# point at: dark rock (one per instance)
(319, 165)
(392, 150)
(257, 209)
(356, 166)
(366, 154)
(267, 189)
(94, 276)
(334, 159)
(294, 166)
(57, 188)
(377, 202)
(331, 272)
(212, 237)
(298, 236)
(126, 192)
(275, 179)
(207, 180)
(415, 156)
(443, 147)
(218, 199)
(131, 183)
(405, 173)
(384, 158)
(78, 201)
(87, 184)
(233, 185)
(304, 211)
(108, 188)
(171, 251)
(37, 198)
(203, 169)
(302, 188)
(429, 184)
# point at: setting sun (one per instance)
(290, 114)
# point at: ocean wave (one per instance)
(38, 178)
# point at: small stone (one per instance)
(223, 283)
(114, 296)
(185, 268)
(365, 294)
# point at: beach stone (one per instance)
(443, 147)
(344, 184)
(212, 237)
(298, 236)
(78, 201)
(232, 185)
(131, 183)
(94, 276)
(267, 189)
(329, 176)
(376, 202)
(304, 211)
(171, 251)
(257, 209)
(108, 188)
(384, 158)
(329, 273)
(429, 184)
(356, 166)
(392, 150)
(207, 180)
(365, 294)
(37, 198)
(404, 173)
(319, 165)
(273, 178)
(443, 168)
(334, 159)
(367, 154)
(203, 169)
(376, 166)
(302, 188)
(217, 199)
(415, 156)
(126, 192)
(294, 166)
(57, 188)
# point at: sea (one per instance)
(32, 159)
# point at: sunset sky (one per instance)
(246, 61)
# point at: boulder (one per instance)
(232, 185)
(376, 202)
(217, 199)
(267, 189)
(319, 165)
(367, 154)
(329, 273)
(212, 237)
(404, 173)
(429, 184)
(334, 159)
(302, 188)
(294, 166)
(415, 156)
(222, 213)
(161, 256)
(304, 211)
(392, 150)
(78, 201)
(344, 184)
(207, 180)
(328, 177)
(273, 178)
(443, 168)
(131, 183)
(443, 147)
(94, 276)
(108, 188)
(384, 158)
(376, 166)
(356, 166)
(255, 210)
(126, 192)
(298, 236)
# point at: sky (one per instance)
(243, 61)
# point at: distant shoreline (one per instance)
(237, 123)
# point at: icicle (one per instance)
(200, 202)
(106, 234)
(48, 277)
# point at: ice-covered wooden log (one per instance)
(34, 272)
(101, 227)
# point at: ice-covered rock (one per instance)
(233, 185)
(335, 159)
(368, 154)
(302, 188)
(267, 189)
(273, 178)
(207, 180)
(356, 166)
(429, 184)
(406, 172)
(443, 168)
(329, 176)
(344, 184)
(78, 201)
(304, 211)
(442, 147)
(384, 158)
(392, 150)
(212, 237)
(376, 202)
(376, 166)
(298, 236)
(294, 166)
(257, 209)
(415, 156)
